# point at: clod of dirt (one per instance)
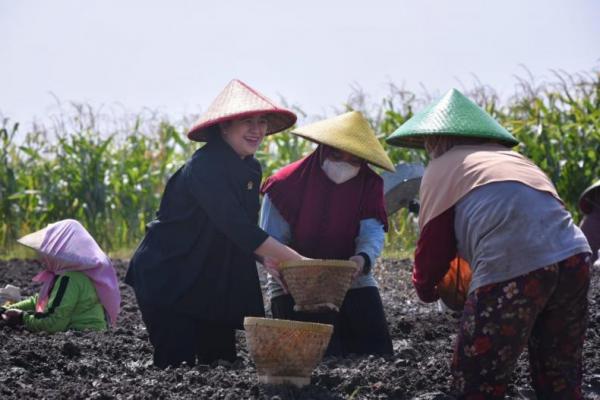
(70, 350)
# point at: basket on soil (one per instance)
(286, 351)
(318, 285)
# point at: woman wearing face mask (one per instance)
(194, 274)
(330, 205)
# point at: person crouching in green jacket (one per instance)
(79, 285)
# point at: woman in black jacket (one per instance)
(194, 274)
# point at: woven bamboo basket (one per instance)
(286, 351)
(318, 285)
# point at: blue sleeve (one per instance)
(273, 223)
(370, 238)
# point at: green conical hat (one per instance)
(452, 115)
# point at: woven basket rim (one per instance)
(285, 323)
(319, 263)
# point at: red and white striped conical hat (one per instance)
(239, 100)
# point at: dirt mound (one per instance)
(117, 364)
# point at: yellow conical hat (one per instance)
(349, 132)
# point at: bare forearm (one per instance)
(272, 248)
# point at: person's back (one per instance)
(88, 312)
(496, 224)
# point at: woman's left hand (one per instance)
(360, 262)
(273, 268)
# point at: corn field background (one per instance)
(109, 171)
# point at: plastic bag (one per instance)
(9, 294)
(454, 287)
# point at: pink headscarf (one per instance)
(67, 246)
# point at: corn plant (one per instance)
(112, 178)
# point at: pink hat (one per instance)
(239, 100)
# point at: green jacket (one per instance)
(73, 304)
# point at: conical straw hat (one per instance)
(452, 115)
(349, 132)
(239, 100)
(584, 205)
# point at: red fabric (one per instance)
(436, 248)
(324, 217)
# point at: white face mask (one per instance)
(339, 171)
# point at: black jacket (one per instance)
(198, 255)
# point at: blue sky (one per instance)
(175, 56)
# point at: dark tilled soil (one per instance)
(117, 364)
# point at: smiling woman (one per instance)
(194, 274)
(245, 135)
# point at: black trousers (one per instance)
(178, 337)
(359, 328)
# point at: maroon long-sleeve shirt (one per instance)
(436, 248)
